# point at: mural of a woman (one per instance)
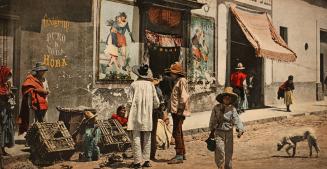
(201, 60)
(200, 52)
(116, 40)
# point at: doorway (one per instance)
(161, 59)
(163, 28)
(9, 51)
(323, 64)
(243, 52)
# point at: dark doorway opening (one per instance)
(322, 71)
(162, 58)
(323, 61)
(163, 28)
(9, 51)
(243, 52)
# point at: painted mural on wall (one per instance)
(117, 49)
(201, 61)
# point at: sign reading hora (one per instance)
(55, 41)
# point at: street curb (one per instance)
(260, 121)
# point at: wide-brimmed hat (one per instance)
(177, 68)
(142, 71)
(89, 115)
(39, 66)
(228, 91)
(240, 66)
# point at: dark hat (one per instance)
(39, 66)
(227, 91)
(142, 71)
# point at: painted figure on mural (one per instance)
(200, 53)
(7, 129)
(35, 91)
(116, 41)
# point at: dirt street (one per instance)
(255, 150)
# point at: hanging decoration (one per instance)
(163, 43)
(165, 17)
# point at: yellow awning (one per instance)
(262, 35)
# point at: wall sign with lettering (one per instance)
(55, 40)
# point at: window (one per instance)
(283, 33)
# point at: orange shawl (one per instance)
(39, 101)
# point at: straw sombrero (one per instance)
(39, 66)
(227, 91)
(240, 66)
(89, 116)
(177, 68)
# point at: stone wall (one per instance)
(59, 34)
(304, 92)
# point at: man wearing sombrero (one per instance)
(223, 118)
(179, 109)
(237, 82)
(34, 102)
(91, 138)
(142, 99)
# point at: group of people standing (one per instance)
(143, 100)
(33, 108)
(246, 87)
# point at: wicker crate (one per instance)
(114, 138)
(50, 141)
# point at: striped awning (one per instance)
(260, 32)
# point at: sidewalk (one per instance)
(200, 121)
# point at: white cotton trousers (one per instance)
(141, 145)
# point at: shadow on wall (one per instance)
(321, 3)
(33, 11)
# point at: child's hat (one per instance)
(227, 91)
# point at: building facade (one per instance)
(91, 46)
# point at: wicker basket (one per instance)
(114, 138)
(50, 141)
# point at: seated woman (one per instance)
(120, 115)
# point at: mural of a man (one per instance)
(116, 40)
